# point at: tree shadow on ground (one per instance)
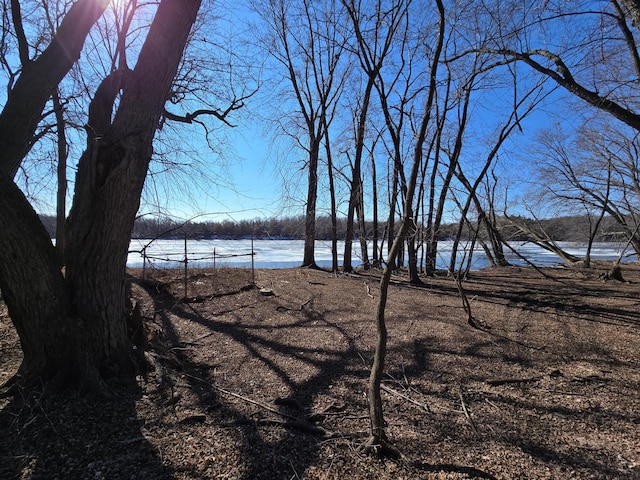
(211, 408)
(297, 446)
(570, 299)
(269, 446)
(50, 436)
(293, 414)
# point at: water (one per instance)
(289, 253)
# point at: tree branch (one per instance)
(23, 46)
(563, 77)
(22, 112)
(191, 117)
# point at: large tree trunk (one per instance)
(74, 328)
(31, 279)
(33, 287)
(109, 183)
(100, 227)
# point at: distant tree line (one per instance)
(561, 229)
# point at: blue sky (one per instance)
(244, 175)
(244, 185)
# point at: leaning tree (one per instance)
(72, 321)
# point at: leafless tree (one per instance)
(378, 438)
(305, 39)
(72, 327)
(598, 171)
(596, 60)
(376, 29)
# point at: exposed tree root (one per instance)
(381, 447)
(614, 274)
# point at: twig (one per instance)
(196, 341)
(295, 474)
(253, 402)
(408, 399)
(404, 373)
(505, 381)
(364, 362)
(368, 290)
(466, 412)
(294, 424)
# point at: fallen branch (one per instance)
(405, 397)
(466, 413)
(253, 402)
(506, 381)
(291, 420)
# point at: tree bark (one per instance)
(31, 280)
(33, 287)
(332, 200)
(39, 80)
(309, 259)
(378, 438)
(634, 10)
(61, 194)
(362, 230)
(412, 259)
(109, 182)
(374, 201)
(356, 193)
(73, 328)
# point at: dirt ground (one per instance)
(270, 382)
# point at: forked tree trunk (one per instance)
(73, 328)
(31, 280)
(109, 183)
(356, 192)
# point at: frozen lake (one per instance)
(288, 253)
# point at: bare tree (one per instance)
(305, 39)
(72, 328)
(593, 62)
(523, 106)
(597, 170)
(378, 438)
(375, 36)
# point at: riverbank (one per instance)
(270, 382)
